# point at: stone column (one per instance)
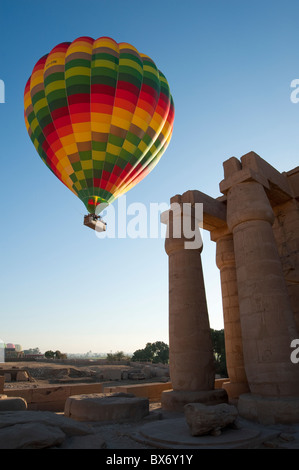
(225, 260)
(286, 233)
(190, 346)
(267, 320)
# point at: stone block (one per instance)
(203, 419)
(22, 376)
(109, 408)
(161, 372)
(148, 372)
(110, 389)
(269, 410)
(220, 382)
(152, 391)
(53, 398)
(278, 181)
(30, 436)
(136, 376)
(293, 178)
(174, 400)
(234, 390)
(230, 166)
(112, 374)
(13, 404)
(42, 429)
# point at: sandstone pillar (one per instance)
(225, 260)
(267, 320)
(286, 233)
(190, 346)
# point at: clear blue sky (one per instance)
(229, 64)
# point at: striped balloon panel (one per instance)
(100, 115)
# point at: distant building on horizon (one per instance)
(34, 356)
(13, 351)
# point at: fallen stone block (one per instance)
(161, 372)
(125, 375)
(41, 429)
(155, 371)
(30, 436)
(204, 419)
(68, 426)
(112, 374)
(112, 407)
(13, 404)
(136, 376)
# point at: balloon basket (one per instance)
(95, 222)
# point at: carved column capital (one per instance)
(182, 229)
(248, 201)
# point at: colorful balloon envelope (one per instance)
(100, 114)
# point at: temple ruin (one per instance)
(255, 225)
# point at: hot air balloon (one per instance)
(100, 115)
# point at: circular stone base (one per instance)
(175, 434)
(175, 400)
(269, 410)
(106, 407)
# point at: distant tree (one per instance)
(219, 352)
(55, 355)
(153, 352)
(118, 356)
(50, 354)
(141, 355)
